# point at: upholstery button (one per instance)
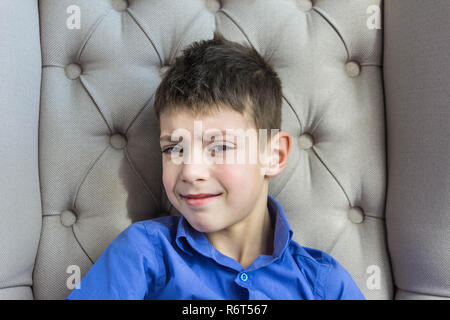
(118, 141)
(305, 141)
(73, 71)
(244, 276)
(356, 215)
(304, 5)
(352, 68)
(213, 5)
(163, 70)
(68, 218)
(119, 5)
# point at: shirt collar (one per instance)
(187, 236)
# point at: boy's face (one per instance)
(196, 164)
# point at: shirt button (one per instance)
(244, 277)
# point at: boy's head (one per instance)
(219, 108)
(215, 73)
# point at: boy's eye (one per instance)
(173, 149)
(220, 148)
(216, 148)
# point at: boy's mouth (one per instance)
(199, 199)
(200, 195)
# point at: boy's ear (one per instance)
(279, 149)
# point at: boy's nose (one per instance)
(194, 166)
(194, 171)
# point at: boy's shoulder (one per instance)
(151, 229)
(316, 259)
(315, 256)
(331, 279)
(157, 226)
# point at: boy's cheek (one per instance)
(168, 181)
(233, 175)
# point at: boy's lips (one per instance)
(199, 199)
(200, 195)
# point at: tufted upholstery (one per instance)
(368, 175)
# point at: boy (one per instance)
(233, 240)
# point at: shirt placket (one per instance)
(243, 280)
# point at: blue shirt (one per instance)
(165, 258)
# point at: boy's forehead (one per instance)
(221, 121)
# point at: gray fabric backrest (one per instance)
(98, 160)
(417, 82)
(20, 198)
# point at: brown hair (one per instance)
(218, 72)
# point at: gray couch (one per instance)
(366, 100)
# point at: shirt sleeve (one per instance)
(122, 272)
(339, 284)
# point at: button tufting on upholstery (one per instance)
(119, 5)
(73, 71)
(304, 5)
(352, 68)
(305, 141)
(68, 218)
(213, 5)
(356, 215)
(118, 141)
(163, 70)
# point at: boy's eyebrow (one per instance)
(168, 138)
(211, 133)
(165, 138)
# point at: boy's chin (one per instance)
(205, 226)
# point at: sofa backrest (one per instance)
(80, 151)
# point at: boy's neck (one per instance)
(249, 238)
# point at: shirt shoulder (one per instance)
(163, 226)
(331, 281)
(339, 284)
(141, 232)
(130, 267)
